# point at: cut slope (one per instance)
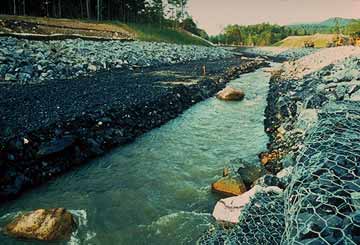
(51, 28)
(320, 41)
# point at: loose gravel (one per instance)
(280, 53)
(318, 60)
(27, 61)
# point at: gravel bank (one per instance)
(278, 54)
(52, 127)
(27, 61)
(318, 60)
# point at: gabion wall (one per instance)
(322, 201)
(321, 205)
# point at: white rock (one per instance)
(228, 210)
(286, 172)
(92, 68)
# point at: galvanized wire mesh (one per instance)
(321, 205)
(322, 200)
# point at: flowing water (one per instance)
(157, 189)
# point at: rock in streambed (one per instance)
(42, 224)
(229, 186)
(230, 94)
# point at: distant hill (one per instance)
(325, 26)
(332, 22)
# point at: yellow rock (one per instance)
(230, 93)
(268, 157)
(46, 225)
(229, 186)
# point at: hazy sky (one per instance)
(213, 15)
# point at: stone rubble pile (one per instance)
(281, 52)
(318, 60)
(28, 61)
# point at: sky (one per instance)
(213, 15)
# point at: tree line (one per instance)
(252, 35)
(135, 11)
(353, 28)
(267, 34)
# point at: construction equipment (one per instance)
(355, 39)
(339, 40)
(309, 44)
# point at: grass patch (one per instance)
(278, 44)
(151, 33)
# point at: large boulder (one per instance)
(230, 93)
(228, 210)
(42, 224)
(229, 186)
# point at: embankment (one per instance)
(312, 119)
(26, 61)
(42, 28)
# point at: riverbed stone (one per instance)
(355, 199)
(55, 146)
(10, 77)
(268, 157)
(230, 94)
(248, 171)
(229, 186)
(42, 224)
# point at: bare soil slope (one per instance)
(48, 26)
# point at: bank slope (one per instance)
(51, 28)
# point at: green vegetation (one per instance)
(290, 36)
(155, 33)
(319, 41)
(329, 26)
(353, 28)
(144, 32)
(148, 20)
(189, 25)
(252, 35)
(128, 11)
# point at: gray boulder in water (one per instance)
(249, 172)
